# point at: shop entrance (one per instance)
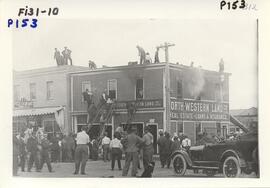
(138, 126)
(153, 131)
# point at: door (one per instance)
(138, 126)
(153, 131)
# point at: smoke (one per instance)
(133, 74)
(195, 82)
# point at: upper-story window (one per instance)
(17, 93)
(112, 89)
(86, 86)
(139, 88)
(32, 91)
(49, 90)
(179, 89)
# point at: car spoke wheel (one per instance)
(179, 165)
(231, 167)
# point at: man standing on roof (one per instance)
(156, 56)
(66, 54)
(148, 59)
(57, 57)
(141, 54)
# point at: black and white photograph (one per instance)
(137, 98)
(145, 97)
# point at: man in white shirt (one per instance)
(116, 146)
(81, 152)
(148, 59)
(106, 147)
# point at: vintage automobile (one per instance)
(230, 157)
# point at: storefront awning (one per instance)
(36, 111)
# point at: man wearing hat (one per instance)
(148, 149)
(131, 143)
(66, 55)
(141, 54)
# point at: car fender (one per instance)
(185, 154)
(235, 153)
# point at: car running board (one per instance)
(205, 167)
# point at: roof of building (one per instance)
(145, 66)
(36, 111)
(54, 69)
(244, 112)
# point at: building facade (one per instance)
(249, 117)
(198, 99)
(42, 99)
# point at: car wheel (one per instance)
(231, 167)
(179, 164)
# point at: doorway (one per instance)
(138, 126)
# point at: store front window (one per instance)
(51, 128)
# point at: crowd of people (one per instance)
(123, 142)
(36, 149)
(167, 145)
(134, 149)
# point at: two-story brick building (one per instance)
(199, 99)
(42, 98)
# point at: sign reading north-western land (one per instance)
(199, 110)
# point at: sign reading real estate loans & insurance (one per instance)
(195, 110)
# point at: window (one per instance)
(82, 119)
(180, 127)
(112, 89)
(16, 93)
(139, 88)
(51, 127)
(32, 91)
(198, 127)
(173, 128)
(179, 89)
(224, 131)
(49, 90)
(86, 85)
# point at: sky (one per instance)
(112, 42)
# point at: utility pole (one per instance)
(166, 46)
(167, 88)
